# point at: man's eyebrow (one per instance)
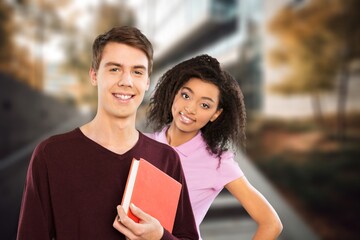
(113, 64)
(206, 98)
(119, 65)
(140, 66)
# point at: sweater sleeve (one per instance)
(36, 219)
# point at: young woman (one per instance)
(198, 109)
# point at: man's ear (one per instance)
(93, 76)
(216, 115)
(147, 84)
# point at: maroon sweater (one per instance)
(73, 186)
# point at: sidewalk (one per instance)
(227, 220)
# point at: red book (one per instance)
(153, 191)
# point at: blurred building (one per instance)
(26, 117)
(235, 32)
(67, 88)
(27, 114)
(61, 85)
(221, 28)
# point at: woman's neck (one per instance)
(175, 137)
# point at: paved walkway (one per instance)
(227, 220)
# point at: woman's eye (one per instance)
(185, 96)
(204, 105)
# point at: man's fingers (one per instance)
(139, 213)
(121, 228)
(147, 228)
(123, 223)
(120, 210)
(123, 217)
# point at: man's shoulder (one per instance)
(59, 138)
(55, 144)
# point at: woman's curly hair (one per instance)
(229, 128)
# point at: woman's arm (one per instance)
(269, 224)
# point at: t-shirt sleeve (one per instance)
(229, 170)
(36, 220)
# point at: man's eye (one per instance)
(114, 69)
(138, 73)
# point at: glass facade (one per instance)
(225, 29)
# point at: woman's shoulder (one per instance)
(159, 136)
(228, 155)
(150, 142)
(151, 135)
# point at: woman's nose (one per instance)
(190, 110)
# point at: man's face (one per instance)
(122, 79)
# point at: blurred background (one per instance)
(297, 62)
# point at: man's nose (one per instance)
(125, 79)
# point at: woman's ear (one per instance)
(93, 77)
(216, 115)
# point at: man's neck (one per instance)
(118, 136)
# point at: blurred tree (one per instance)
(116, 15)
(37, 22)
(345, 24)
(25, 24)
(315, 45)
(14, 59)
(78, 43)
(6, 33)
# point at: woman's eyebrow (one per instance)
(191, 91)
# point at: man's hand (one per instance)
(148, 227)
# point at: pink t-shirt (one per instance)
(204, 176)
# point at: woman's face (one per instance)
(195, 104)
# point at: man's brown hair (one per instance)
(130, 36)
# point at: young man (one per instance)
(76, 180)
